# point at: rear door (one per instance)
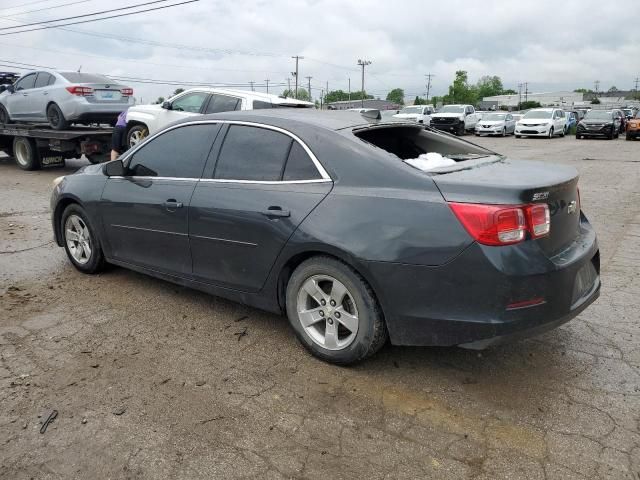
(260, 184)
(39, 95)
(145, 213)
(18, 102)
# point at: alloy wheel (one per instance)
(136, 136)
(78, 239)
(327, 312)
(21, 152)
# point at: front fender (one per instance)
(142, 117)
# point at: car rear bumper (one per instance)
(87, 112)
(480, 298)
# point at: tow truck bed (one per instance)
(37, 145)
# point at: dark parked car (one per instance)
(317, 215)
(599, 123)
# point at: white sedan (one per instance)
(496, 124)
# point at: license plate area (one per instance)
(585, 279)
(108, 95)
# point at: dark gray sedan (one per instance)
(359, 230)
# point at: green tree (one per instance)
(613, 89)
(341, 96)
(595, 101)
(435, 100)
(178, 91)
(302, 94)
(509, 91)
(460, 91)
(160, 100)
(583, 90)
(529, 104)
(396, 96)
(489, 86)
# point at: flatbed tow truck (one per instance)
(36, 146)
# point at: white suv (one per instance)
(417, 113)
(541, 122)
(143, 120)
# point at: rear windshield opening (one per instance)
(421, 148)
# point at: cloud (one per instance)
(550, 44)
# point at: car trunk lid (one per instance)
(511, 182)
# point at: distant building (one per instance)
(369, 103)
(546, 99)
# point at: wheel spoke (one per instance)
(313, 289)
(87, 250)
(338, 290)
(348, 320)
(73, 236)
(76, 224)
(310, 317)
(331, 335)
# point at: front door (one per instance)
(18, 102)
(145, 213)
(264, 184)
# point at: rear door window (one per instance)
(178, 153)
(299, 165)
(43, 80)
(79, 77)
(252, 153)
(223, 103)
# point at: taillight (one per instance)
(503, 224)
(80, 91)
(126, 92)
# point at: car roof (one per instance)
(266, 97)
(284, 117)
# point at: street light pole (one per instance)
(363, 63)
(267, 82)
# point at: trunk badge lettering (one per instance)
(573, 206)
(540, 196)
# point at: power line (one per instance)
(102, 18)
(46, 8)
(26, 64)
(84, 15)
(25, 4)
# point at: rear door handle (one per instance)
(172, 204)
(276, 212)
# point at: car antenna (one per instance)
(79, 68)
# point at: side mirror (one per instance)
(166, 105)
(114, 169)
(10, 88)
(2, 88)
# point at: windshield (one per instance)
(75, 77)
(598, 115)
(493, 116)
(538, 114)
(452, 109)
(412, 110)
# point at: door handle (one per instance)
(172, 204)
(276, 212)
(45, 93)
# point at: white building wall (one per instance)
(545, 99)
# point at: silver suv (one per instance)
(62, 98)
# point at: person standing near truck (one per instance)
(119, 135)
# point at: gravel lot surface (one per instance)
(152, 380)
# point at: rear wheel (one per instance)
(80, 242)
(136, 134)
(333, 311)
(4, 115)
(26, 153)
(56, 117)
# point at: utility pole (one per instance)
(297, 57)
(309, 86)
(251, 83)
(363, 63)
(321, 98)
(519, 95)
(350, 90)
(289, 84)
(597, 85)
(267, 82)
(637, 80)
(526, 91)
(429, 76)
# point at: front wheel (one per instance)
(80, 241)
(518, 136)
(550, 132)
(136, 134)
(56, 117)
(460, 130)
(504, 132)
(4, 115)
(334, 312)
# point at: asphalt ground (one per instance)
(151, 380)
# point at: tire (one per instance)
(504, 132)
(324, 276)
(518, 136)
(460, 130)
(74, 219)
(98, 158)
(56, 117)
(579, 137)
(136, 134)
(551, 132)
(26, 153)
(611, 135)
(4, 116)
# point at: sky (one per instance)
(551, 45)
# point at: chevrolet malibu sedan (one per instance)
(344, 225)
